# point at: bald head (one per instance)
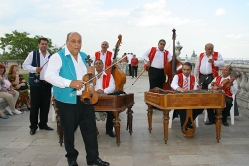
(209, 48)
(73, 43)
(104, 46)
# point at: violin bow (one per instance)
(105, 69)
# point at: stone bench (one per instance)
(3, 104)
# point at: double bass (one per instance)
(173, 67)
(118, 75)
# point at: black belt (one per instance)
(206, 74)
(157, 68)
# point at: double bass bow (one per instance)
(118, 75)
(173, 67)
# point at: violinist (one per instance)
(229, 86)
(105, 55)
(155, 59)
(65, 71)
(182, 82)
(105, 84)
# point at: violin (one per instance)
(173, 67)
(226, 83)
(118, 75)
(89, 95)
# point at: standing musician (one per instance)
(105, 84)
(40, 90)
(230, 86)
(155, 59)
(207, 65)
(105, 55)
(66, 69)
(182, 82)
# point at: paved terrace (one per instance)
(19, 148)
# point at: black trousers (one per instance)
(130, 74)
(40, 98)
(109, 122)
(225, 112)
(83, 115)
(134, 71)
(182, 114)
(206, 80)
(156, 77)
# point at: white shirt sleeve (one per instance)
(169, 57)
(111, 86)
(234, 88)
(196, 70)
(146, 55)
(52, 73)
(174, 83)
(27, 63)
(219, 62)
(209, 86)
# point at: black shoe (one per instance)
(111, 134)
(189, 126)
(210, 123)
(99, 162)
(46, 128)
(32, 131)
(225, 124)
(72, 162)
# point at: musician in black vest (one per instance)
(40, 90)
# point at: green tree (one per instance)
(18, 44)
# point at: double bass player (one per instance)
(155, 59)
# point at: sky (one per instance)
(142, 23)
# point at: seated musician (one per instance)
(182, 82)
(229, 86)
(105, 84)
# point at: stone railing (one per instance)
(243, 87)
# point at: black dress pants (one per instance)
(40, 98)
(134, 71)
(225, 112)
(156, 77)
(109, 122)
(83, 115)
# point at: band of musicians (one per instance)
(77, 82)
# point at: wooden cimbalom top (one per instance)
(195, 99)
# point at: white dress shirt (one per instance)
(102, 57)
(54, 65)
(233, 89)
(28, 61)
(99, 84)
(158, 61)
(174, 83)
(206, 67)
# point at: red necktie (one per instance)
(185, 84)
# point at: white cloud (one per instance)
(238, 36)
(220, 12)
(247, 4)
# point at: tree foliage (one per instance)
(17, 45)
